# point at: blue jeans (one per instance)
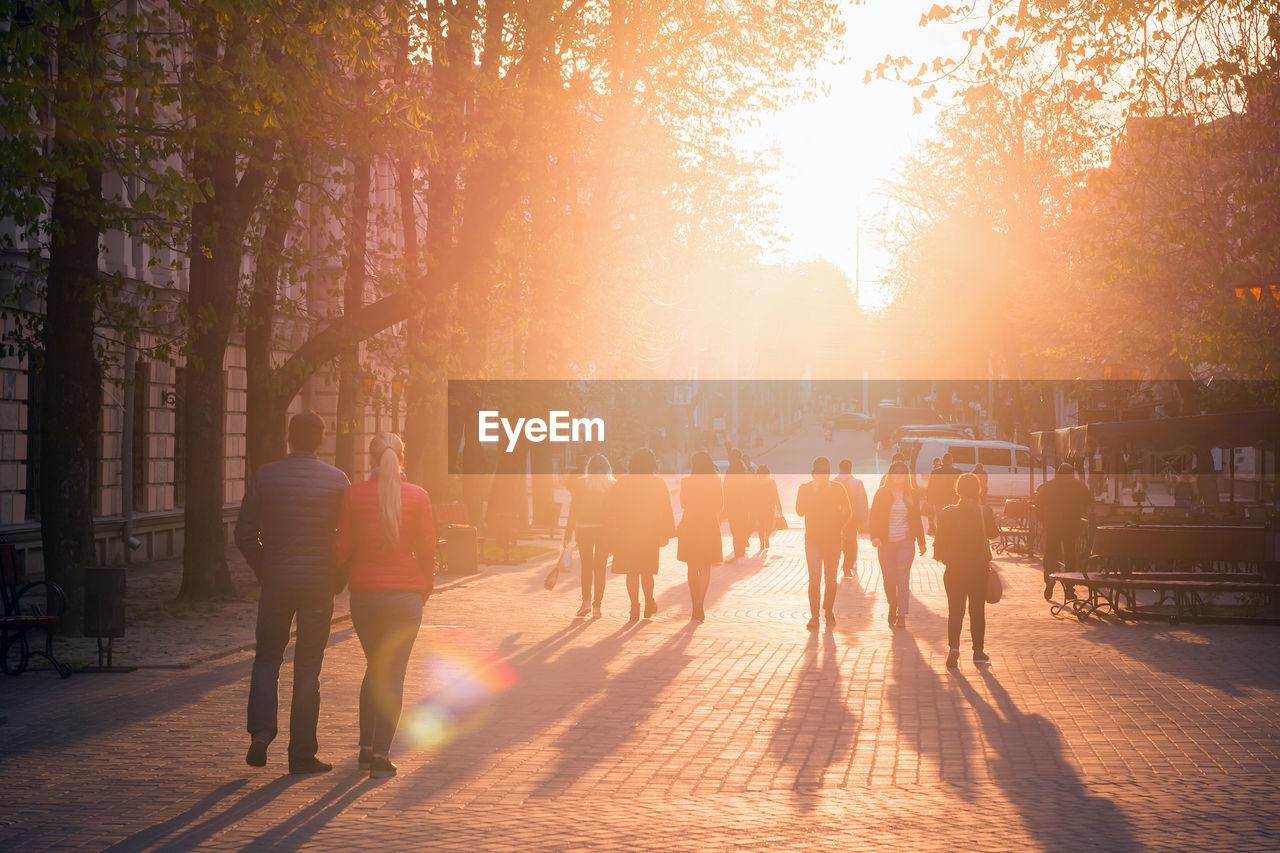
(278, 606)
(387, 623)
(895, 567)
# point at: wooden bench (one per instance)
(1016, 534)
(1185, 565)
(25, 611)
(1187, 592)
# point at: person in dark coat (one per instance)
(586, 524)
(961, 546)
(738, 499)
(941, 489)
(639, 521)
(699, 546)
(824, 506)
(1061, 504)
(285, 531)
(895, 526)
(766, 505)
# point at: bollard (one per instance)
(104, 615)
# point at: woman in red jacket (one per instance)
(386, 544)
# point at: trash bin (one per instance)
(460, 549)
(104, 592)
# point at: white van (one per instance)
(1008, 465)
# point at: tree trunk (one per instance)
(265, 411)
(349, 372)
(69, 423)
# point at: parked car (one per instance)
(853, 420)
(1008, 465)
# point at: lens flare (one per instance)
(463, 680)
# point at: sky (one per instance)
(837, 148)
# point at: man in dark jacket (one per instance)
(285, 531)
(941, 489)
(824, 506)
(1060, 504)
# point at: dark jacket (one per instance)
(287, 521)
(701, 499)
(878, 526)
(1062, 502)
(961, 542)
(638, 522)
(941, 488)
(825, 510)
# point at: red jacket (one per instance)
(358, 548)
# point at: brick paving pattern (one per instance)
(528, 729)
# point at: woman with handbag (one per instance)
(961, 545)
(386, 540)
(586, 524)
(768, 506)
(638, 522)
(698, 535)
(896, 527)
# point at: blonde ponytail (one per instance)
(386, 449)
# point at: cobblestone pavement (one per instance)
(528, 729)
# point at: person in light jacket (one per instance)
(386, 541)
(961, 545)
(285, 531)
(896, 526)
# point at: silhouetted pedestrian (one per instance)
(941, 489)
(1061, 505)
(587, 504)
(738, 500)
(824, 506)
(638, 522)
(962, 547)
(896, 526)
(767, 506)
(698, 534)
(857, 516)
(387, 540)
(285, 531)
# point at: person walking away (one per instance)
(932, 485)
(962, 547)
(285, 531)
(737, 504)
(638, 523)
(857, 516)
(586, 525)
(1061, 504)
(895, 526)
(387, 540)
(698, 534)
(941, 489)
(767, 505)
(980, 472)
(824, 506)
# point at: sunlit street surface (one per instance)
(528, 729)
